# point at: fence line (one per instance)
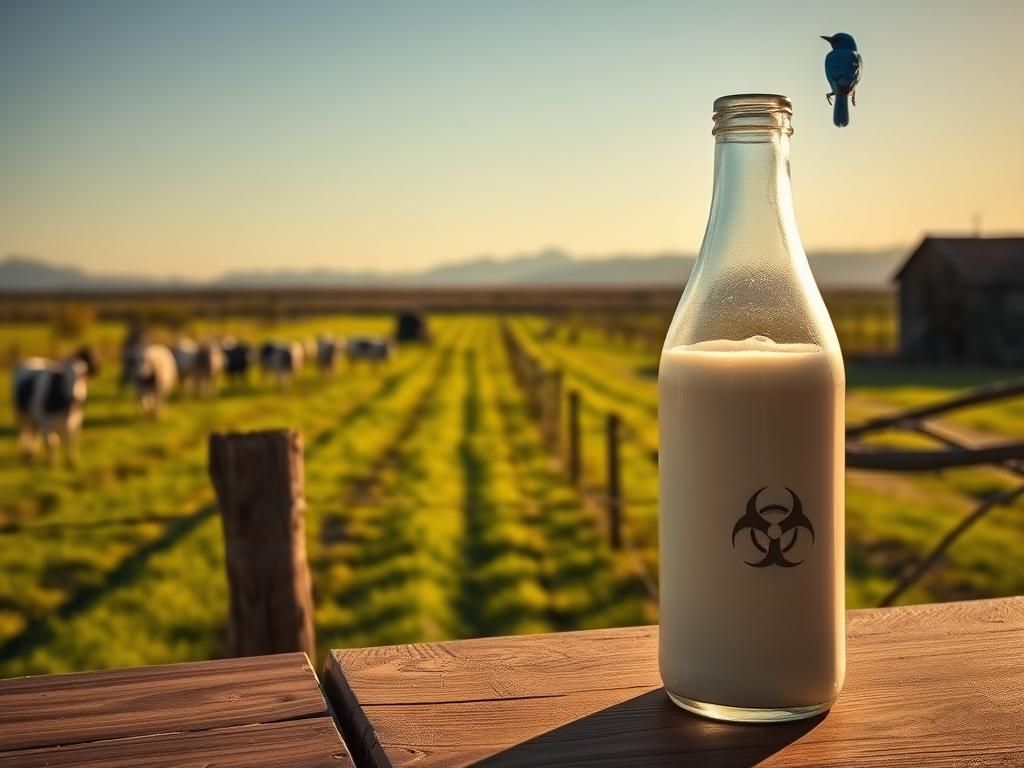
(544, 392)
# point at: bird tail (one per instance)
(841, 110)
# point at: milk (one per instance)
(751, 536)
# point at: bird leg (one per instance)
(828, 97)
(853, 97)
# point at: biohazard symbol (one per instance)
(774, 530)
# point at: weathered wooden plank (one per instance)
(966, 617)
(115, 704)
(926, 685)
(499, 667)
(308, 743)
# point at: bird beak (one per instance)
(826, 37)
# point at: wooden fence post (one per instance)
(536, 383)
(554, 399)
(575, 463)
(259, 480)
(614, 483)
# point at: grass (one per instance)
(435, 508)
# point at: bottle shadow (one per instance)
(649, 730)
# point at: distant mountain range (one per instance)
(833, 269)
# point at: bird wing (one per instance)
(833, 68)
(842, 68)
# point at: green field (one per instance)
(435, 509)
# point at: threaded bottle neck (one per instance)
(752, 118)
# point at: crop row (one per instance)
(588, 584)
(387, 564)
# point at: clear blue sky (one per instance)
(196, 137)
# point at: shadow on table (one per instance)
(648, 730)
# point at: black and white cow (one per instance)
(152, 371)
(281, 360)
(199, 365)
(375, 349)
(327, 348)
(237, 359)
(49, 399)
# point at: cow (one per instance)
(237, 359)
(327, 348)
(199, 365)
(152, 371)
(281, 360)
(375, 349)
(49, 400)
(411, 326)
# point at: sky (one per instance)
(193, 138)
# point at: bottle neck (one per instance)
(752, 277)
(752, 215)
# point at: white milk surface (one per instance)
(751, 436)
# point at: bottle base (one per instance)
(747, 714)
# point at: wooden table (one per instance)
(259, 712)
(930, 685)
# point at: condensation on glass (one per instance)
(751, 400)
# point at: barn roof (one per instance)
(980, 260)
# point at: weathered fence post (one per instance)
(556, 409)
(259, 480)
(536, 380)
(553, 398)
(575, 459)
(614, 483)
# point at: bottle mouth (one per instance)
(752, 113)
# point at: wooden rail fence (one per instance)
(958, 452)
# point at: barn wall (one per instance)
(933, 310)
(997, 325)
(1012, 311)
(983, 327)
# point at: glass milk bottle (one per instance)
(751, 399)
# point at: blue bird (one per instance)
(843, 66)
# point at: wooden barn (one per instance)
(962, 301)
